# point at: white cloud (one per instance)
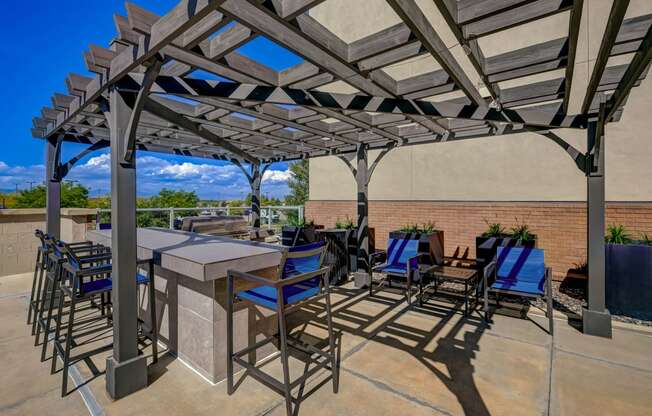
(218, 180)
(277, 176)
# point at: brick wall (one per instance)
(560, 226)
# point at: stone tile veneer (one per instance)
(17, 241)
(560, 226)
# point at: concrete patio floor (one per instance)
(422, 361)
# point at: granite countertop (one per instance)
(199, 256)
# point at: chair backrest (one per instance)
(42, 237)
(520, 263)
(399, 250)
(303, 259)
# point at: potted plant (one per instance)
(628, 273)
(430, 239)
(486, 245)
(299, 231)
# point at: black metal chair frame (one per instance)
(40, 267)
(408, 276)
(74, 277)
(329, 360)
(490, 272)
(51, 288)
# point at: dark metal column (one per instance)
(362, 181)
(256, 178)
(596, 319)
(53, 189)
(126, 370)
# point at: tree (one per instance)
(166, 198)
(72, 196)
(298, 183)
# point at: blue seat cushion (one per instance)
(397, 268)
(519, 286)
(522, 264)
(268, 295)
(96, 286)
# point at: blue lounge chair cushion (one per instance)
(400, 269)
(523, 264)
(268, 295)
(519, 286)
(399, 251)
(520, 270)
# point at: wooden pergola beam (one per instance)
(616, 16)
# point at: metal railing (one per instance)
(273, 216)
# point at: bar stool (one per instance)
(299, 278)
(76, 271)
(51, 290)
(40, 266)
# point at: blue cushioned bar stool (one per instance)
(84, 279)
(51, 288)
(521, 272)
(402, 260)
(299, 278)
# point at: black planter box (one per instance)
(429, 243)
(486, 247)
(337, 254)
(296, 236)
(629, 280)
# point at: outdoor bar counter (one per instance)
(190, 283)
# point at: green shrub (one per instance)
(617, 234)
(521, 232)
(494, 230)
(346, 224)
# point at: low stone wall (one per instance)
(17, 241)
(559, 226)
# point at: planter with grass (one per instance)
(486, 245)
(628, 273)
(343, 249)
(300, 232)
(431, 240)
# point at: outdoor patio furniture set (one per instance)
(72, 279)
(516, 271)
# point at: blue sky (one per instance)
(42, 42)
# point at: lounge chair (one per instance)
(522, 272)
(402, 260)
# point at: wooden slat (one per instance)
(573, 35)
(516, 16)
(379, 42)
(412, 15)
(616, 16)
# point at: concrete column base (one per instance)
(125, 377)
(596, 323)
(361, 280)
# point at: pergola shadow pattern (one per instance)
(181, 84)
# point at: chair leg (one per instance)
(409, 290)
(550, 310)
(48, 321)
(66, 354)
(37, 299)
(229, 335)
(331, 341)
(284, 357)
(486, 304)
(152, 314)
(57, 334)
(371, 282)
(41, 308)
(33, 292)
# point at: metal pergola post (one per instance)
(53, 190)
(362, 182)
(126, 370)
(596, 318)
(255, 195)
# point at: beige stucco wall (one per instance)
(522, 167)
(17, 241)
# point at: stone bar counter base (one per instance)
(190, 286)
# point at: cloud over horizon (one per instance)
(215, 180)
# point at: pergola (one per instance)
(149, 94)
